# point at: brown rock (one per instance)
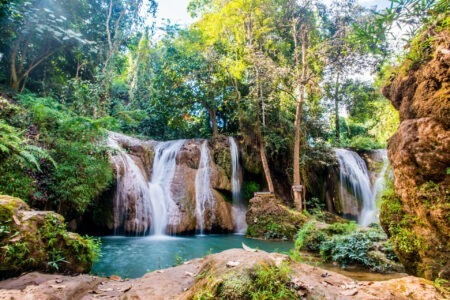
(205, 275)
(419, 219)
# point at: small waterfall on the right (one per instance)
(355, 185)
(204, 199)
(370, 216)
(239, 209)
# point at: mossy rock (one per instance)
(38, 241)
(268, 219)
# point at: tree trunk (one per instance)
(262, 151)
(296, 177)
(14, 78)
(265, 164)
(301, 79)
(212, 116)
(336, 110)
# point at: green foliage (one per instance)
(76, 169)
(42, 243)
(271, 283)
(355, 248)
(264, 282)
(309, 237)
(347, 244)
(12, 144)
(364, 143)
(249, 188)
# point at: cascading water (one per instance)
(370, 216)
(163, 171)
(355, 183)
(131, 184)
(354, 178)
(204, 198)
(143, 206)
(239, 209)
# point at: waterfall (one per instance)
(355, 184)
(203, 196)
(371, 215)
(239, 209)
(354, 179)
(161, 201)
(143, 206)
(131, 184)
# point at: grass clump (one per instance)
(261, 283)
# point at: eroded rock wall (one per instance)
(417, 216)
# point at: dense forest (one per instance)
(290, 80)
(283, 75)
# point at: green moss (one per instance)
(271, 227)
(222, 158)
(262, 282)
(310, 237)
(40, 242)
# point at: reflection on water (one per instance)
(131, 257)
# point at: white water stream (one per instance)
(204, 200)
(163, 171)
(239, 209)
(144, 205)
(131, 184)
(355, 180)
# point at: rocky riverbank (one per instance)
(233, 274)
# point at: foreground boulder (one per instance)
(417, 215)
(38, 240)
(232, 274)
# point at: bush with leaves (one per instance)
(348, 244)
(74, 172)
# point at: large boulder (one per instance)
(417, 215)
(268, 218)
(38, 240)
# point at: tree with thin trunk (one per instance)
(302, 28)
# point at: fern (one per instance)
(12, 144)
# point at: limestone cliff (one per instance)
(417, 216)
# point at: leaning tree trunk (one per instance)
(264, 161)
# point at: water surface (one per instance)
(132, 257)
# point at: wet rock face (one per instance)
(38, 240)
(418, 218)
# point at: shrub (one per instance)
(356, 248)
